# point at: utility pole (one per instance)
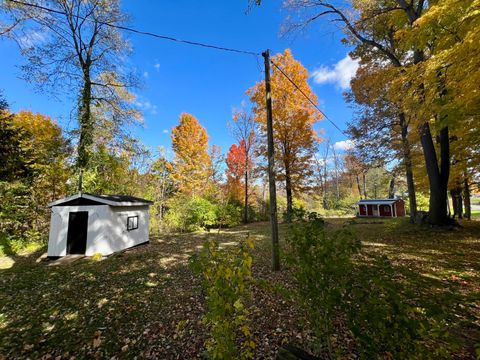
(271, 166)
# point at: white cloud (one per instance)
(165, 131)
(340, 74)
(343, 145)
(147, 106)
(157, 67)
(145, 74)
(31, 39)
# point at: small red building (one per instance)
(381, 208)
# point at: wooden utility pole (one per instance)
(271, 166)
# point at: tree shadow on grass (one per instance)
(130, 303)
(144, 301)
(437, 270)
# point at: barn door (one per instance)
(77, 232)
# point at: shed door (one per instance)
(77, 232)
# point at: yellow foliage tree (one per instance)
(295, 139)
(192, 163)
(46, 146)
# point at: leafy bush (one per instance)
(16, 209)
(228, 214)
(190, 213)
(195, 213)
(226, 279)
(298, 213)
(321, 265)
(28, 242)
(333, 281)
(21, 223)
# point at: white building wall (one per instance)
(119, 237)
(57, 241)
(107, 228)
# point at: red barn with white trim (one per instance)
(381, 208)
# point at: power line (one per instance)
(125, 28)
(188, 42)
(308, 98)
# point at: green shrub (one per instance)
(228, 214)
(298, 214)
(29, 242)
(17, 211)
(22, 224)
(226, 279)
(321, 264)
(333, 281)
(195, 213)
(190, 213)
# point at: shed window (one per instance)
(132, 223)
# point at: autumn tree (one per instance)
(80, 54)
(442, 94)
(371, 29)
(294, 117)
(34, 173)
(236, 163)
(244, 129)
(386, 34)
(192, 163)
(48, 150)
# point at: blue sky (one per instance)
(204, 82)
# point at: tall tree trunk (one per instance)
(86, 124)
(288, 189)
(245, 209)
(364, 185)
(358, 186)
(391, 188)
(457, 202)
(407, 160)
(337, 186)
(438, 174)
(466, 198)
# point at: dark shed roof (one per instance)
(378, 201)
(94, 199)
(121, 198)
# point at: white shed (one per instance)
(88, 224)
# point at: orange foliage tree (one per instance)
(295, 139)
(236, 167)
(192, 163)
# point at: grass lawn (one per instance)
(146, 302)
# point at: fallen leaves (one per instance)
(110, 309)
(97, 341)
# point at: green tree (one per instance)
(13, 157)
